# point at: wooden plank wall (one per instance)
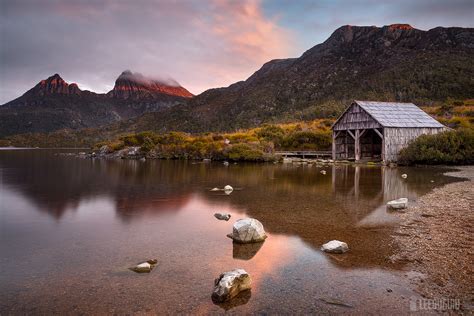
(398, 138)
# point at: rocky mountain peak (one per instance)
(403, 27)
(135, 85)
(54, 85)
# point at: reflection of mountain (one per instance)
(288, 200)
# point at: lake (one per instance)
(71, 228)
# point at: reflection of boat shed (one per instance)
(370, 130)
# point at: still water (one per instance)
(71, 227)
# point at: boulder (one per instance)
(247, 230)
(222, 216)
(230, 284)
(398, 204)
(335, 246)
(145, 267)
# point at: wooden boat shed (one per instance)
(377, 131)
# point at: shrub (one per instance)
(130, 140)
(244, 152)
(272, 133)
(301, 140)
(451, 147)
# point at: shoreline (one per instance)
(435, 238)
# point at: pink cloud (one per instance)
(201, 44)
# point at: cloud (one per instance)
(201, 44)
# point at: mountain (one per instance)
(136, 86)
(54, 104)
(391, 63)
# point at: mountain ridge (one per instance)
(54, 104)
(391, 63)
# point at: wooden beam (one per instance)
(378, 133)
(350, 133)
(334, 136)
(357, 145)
(362, 132)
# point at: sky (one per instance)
(202, 44)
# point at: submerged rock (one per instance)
(398, 204)
(222, 216)
(145, 267)
(335, 246)
(247, 230)
(230, 284)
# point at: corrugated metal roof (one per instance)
(394, 114)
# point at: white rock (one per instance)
(228, 189)
(145, 267)
(215, 189)
(226, 163)
(335, 246)
(230, 284)
(323, 171)
(142, 267)
(248, 230)
(404, 176)
(398, 204)
(222, 216)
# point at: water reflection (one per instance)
(245, 251)
(81, 223)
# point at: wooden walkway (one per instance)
(305, 154)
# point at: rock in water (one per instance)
(226, 163)
(398, 204)
(335, 246)
(145, 267)
(323, 171)
(215, 189)
(404, 176)
(230, 284)
(228, 189)
(248, 230)
(222, 216)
